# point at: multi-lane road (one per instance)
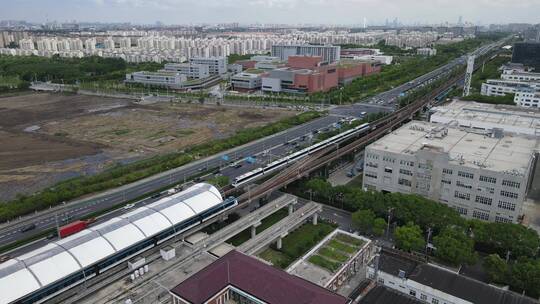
(11, 232)
(386, 101)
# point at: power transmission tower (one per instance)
(468, 76)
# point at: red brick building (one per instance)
(244, 279)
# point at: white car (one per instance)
(129, 206)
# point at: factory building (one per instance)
(161, 79)
(329, 53)
(191, 70)
(216, 65)
(482, 174)
(487, 117)
(249, 80)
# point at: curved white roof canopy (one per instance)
(41, 267)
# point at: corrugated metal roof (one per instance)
(43, 266)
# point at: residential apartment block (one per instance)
(481, 174)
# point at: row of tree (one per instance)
(456, 239)
(69, 70)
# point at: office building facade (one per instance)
(216, 65)
(329, 53)
(482, 175)
(527, 53)
(191, 70)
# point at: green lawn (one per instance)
(324, 263)
(329, 252)
(349, 239)
(341, 246)
(275, 257)
(270, 220)
(296, 244)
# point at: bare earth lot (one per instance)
(45, 138)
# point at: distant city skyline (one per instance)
(273, 11)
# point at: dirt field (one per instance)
(45, 138)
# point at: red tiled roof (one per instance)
(262, 281)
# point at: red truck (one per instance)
(73, 227)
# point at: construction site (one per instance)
(47, 138)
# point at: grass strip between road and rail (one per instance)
(120, 175)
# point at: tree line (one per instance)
(457, 240)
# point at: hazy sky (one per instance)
(272, 11)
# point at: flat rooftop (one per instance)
(466, 147)
(503, 115)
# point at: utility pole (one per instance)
(388, 223)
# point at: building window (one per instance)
(412, 293)
(509, 194)
(434, 301)
(465, 174)
(424, 166)
(484, 200)
(371, 174)
(461, 210)
(405, 172)
(388, 159)
(507, 206)
(500, 219)
(447, 171)
(406, 163)
(462, 185)
(423, 297)
(372, 165)
(404, 182)
(481, 215)
(388, 170)
(446, 181)
(511, 184)
(488, 179)
(461, 195)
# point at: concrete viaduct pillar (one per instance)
(315, 217)
(254, 229)
(291, 209)
(279, 243)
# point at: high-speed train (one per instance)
(45, 272)
(257, 173)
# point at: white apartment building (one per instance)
(216, 65)
(508, 74)
(426, 52)
(482, 175)
(108, 43)
(430, 283)
(125, 42)
(501, 87)
(26, 44)
(164, 79)
(191, 70)
(487, 117)
(528, 98)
